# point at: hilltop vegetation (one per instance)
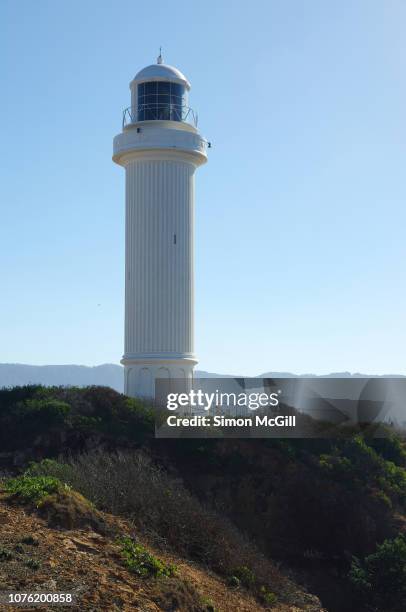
(271, 518)
(42, 421)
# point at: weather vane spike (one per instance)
(159, 60)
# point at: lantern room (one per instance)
(159, 92)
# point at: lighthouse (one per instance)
(160, 148)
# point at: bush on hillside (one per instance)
(380, 579)
(335, 497)
(143, 563)
(49, 420)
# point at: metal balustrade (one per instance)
(159, 111)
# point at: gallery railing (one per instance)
(156, 112)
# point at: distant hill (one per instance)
(108, 374)
(331, 375)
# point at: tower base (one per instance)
(140, 374)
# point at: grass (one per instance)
(141, 562)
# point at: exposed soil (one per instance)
(87, 563)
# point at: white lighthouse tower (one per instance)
(160, 149)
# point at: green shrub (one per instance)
(50, 467)
(143, 563)
(9, 397)
(89, 413)
(32, 488)
(33, 564)
(380, 579)
(390, 448)
(5, 555)
(208, 605)
(245, 575)
(45, 411)
(267, 596)
(30, 540)
(233, 581)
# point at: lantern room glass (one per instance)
(161, 100)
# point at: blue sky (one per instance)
(300, 212)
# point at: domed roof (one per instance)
(156, 72)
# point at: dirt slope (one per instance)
(35, 557)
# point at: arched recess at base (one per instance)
(145, 386)
(163, 373)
